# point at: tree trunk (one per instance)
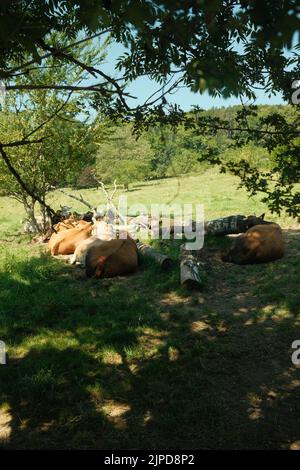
(23, 185)
(31, 225)
(46, 221)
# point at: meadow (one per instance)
(138, 362)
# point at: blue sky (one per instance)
(143, 88)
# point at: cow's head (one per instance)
(253, 220)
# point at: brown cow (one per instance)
(109, 258)
(259, 244)
(66, 241)
(101, 231)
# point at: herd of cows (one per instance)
(96, 247)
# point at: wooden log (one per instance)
(189, 270)
(226, 225)
(232, 224)
(164, 261)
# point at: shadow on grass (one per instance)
(137, 363)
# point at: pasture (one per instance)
(138, 362)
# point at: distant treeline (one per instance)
(162, 152)
(73, 151)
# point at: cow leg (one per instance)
(72, 259)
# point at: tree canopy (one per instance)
(62, 143)
(225, 47)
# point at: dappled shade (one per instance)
(140, 363)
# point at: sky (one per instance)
(144, 87)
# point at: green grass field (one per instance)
(138, 362)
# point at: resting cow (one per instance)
(101, 231)
(66, 241)
(259, 244)
(109, 258)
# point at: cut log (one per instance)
(164, 261)
(189, 269)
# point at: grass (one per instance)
(137, 362)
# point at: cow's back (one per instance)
(69, 224)
(124, 261)
(109, 258)
(65, 242)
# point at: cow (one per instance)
(260, 244)
(109, 258)
(101, 231)
(66, 241)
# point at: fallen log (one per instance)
(189, 269)
(164, 261)
(232, 224)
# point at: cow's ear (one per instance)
(262, 216)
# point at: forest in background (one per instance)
(163, 151)
(77, 152)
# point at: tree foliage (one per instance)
(120, 156)
(63, 143)
(156, 35)
(261, 160)
(225, 47)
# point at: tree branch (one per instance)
(23, 185)
(74, 44)
(92, 70)
(80, 199)
(18, 143)
(56, 112)
(56, 87)
(96, 87)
